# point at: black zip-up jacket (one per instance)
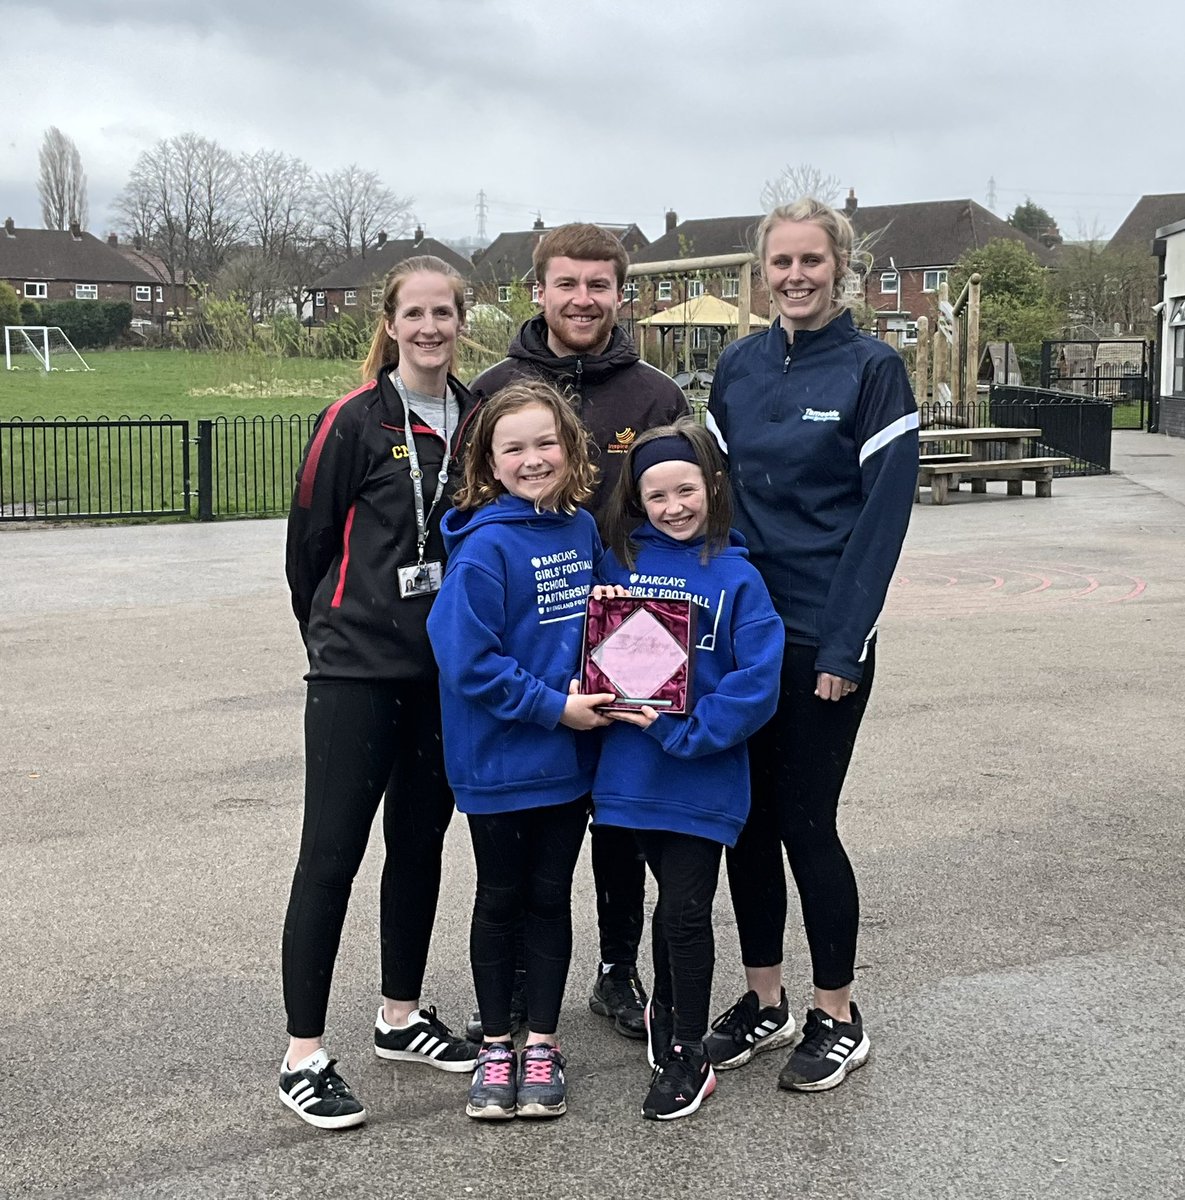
(616, 394)
(352, 525)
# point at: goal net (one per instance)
(40, 348)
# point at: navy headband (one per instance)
(672, 447)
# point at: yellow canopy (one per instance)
(703, 310)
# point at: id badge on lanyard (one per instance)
(423, 577)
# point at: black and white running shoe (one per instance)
(679, 1085)
(618, 994)
(747, 1029)
(424, 1039)
(319, 1095)
(828, 1051)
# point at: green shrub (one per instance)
(91, 324)
(30, 312)
(10, 305)
(345, 338)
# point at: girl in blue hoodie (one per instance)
(507, 630)
(682, 782)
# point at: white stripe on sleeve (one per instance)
(890, 433)
(714, 429)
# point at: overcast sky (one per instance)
(613, 111)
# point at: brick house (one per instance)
(356, 285)
(1150, 215)
(172, 298)
(69, 264)
(507, 260)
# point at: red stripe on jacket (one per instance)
(305, 495)
(341, 575)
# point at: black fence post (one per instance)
(205, 470)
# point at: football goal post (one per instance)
(51, 348)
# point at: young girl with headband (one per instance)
(682, 782)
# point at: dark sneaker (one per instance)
(619, 995)
(319, 1095)
(660, 1030)
(747, 1029)
(492, 1092)
(679, 1085)
(828, 1051)
(425, 1039)
(518, 1011)
(541, 1088)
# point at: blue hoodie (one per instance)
(691, 774)
(506, 630)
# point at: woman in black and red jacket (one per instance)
(364, 559)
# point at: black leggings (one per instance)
(525, 861)
(364, 741)
(687, 869)
(798, 762)
(619, 875)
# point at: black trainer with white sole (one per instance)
(424, 1039)
(319, 1095)
(747, 1029)
(679, 1085)
(828, 1051)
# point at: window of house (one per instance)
(701, 338)
(504, 295)
(888, 283)
(534, 293)
(695, 288)
(629, 291)
(376, 296)
(160, 294)
(933, 280)
(468, 294)
(664, 289)
(318, 299)
(730, 287)
(143, 293)
(351, 297)
(86, 291)
(34, 291)
(911, 333)
(1177, 325)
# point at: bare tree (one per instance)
(793, 183)
(61, 182)
(183, 202)
(354, 206)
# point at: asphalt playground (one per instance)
(1015, 812)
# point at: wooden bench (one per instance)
(941, 477)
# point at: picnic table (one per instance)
(945, 468)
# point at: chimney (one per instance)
(9, 227)
(112, 239)
(672, 220)
(538, 227)
(381, 240)
(76, 231)
(851, 203)
(419, 234)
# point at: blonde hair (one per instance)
(384, 349)
(576, 481)
(834, 224)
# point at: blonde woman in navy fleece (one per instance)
(820, 427)
(507, 629)
(682, 783)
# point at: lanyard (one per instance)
(417, 475)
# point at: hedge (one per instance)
(89, 324)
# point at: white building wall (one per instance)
(1174, 287)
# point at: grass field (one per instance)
(180, 384)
